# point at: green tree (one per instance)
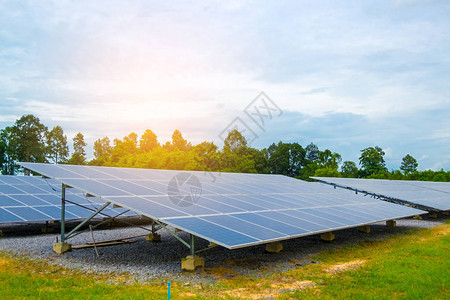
(57, 145)
(102, 147)
(178, 142)
(208, 153)
(127, 147)
(312, 152)
(349, 169)
(102, 152)
(26, 141)
(372, 161)
(409, 164)
(287, 159)
(327, 172)
(148, 141)
(79, 155)
(236, 156)
(6, 162)
(329, 160)
(260, 159)
(235, 141)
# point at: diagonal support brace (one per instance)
(70, 234)
(173, 234)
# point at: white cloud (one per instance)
(108, 68)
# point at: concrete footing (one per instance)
(364, 229)
(189, 263)
(391, 223)
(274, 247)
(327, 236)
(153, 237)
(61, 248)
(432, 215)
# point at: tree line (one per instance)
(29, 140)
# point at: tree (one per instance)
(409, 164)
(349, 169)
(26, 141)
(78, 156)
(208, 152)
(312, 152)
(57, 145)
(235, 141)
(329, 160)
(327, 172)
(287, 159)
(148, 141)
(178, 142)
(6, 162)
(102, 151)
(372, 161)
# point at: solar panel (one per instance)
(230, 209)
(30, 198)
(431, 195)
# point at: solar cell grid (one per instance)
(434, 195)
(232, 210)
(28, 198)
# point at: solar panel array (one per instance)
(229, 209)
(435, 195)
(30, 198)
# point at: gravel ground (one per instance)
(146, 260)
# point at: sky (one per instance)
(344, 75)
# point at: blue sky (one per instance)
(346, 74)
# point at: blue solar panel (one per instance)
(28, 199)
(290, 217)
(434, 195)
(232, 210)
(256, 231)
(213, 232)
(7, 217)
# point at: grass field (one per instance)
(414, 265)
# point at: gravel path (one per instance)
(146, 260)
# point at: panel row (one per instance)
(245, 229)
(431, 194)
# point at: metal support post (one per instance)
(192, 244)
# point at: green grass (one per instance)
(406, 266)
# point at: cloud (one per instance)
(347, 75)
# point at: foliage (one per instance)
(57, 148)
(349, 169)
(235, 141)
(286, 158)
(372, 161)
(329, 160)
(148, 141)
(409, 164)
(327, 172)
(6, 161)
(312, 152)
(26, 141)
(29, 136)
(79, 155)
